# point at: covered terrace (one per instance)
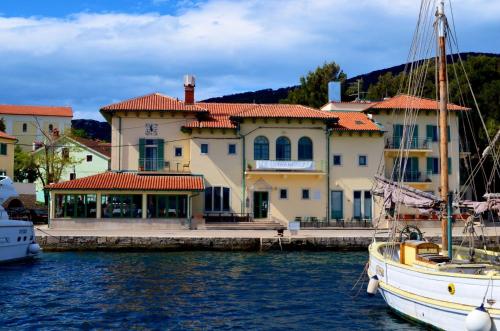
(124, 200)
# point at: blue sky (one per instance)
(90, 53)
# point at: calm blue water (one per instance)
(191, 290)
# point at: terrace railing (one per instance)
(397, 143)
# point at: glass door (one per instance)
(260, 204)
(337, 203)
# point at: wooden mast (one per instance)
(443, 121)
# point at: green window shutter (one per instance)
(448, 132)
(161, 153)
(429, 132)
(430, 166)
(142, 163)
(142, 142)
(3, 149)
(449, 166)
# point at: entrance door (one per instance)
(260, 204)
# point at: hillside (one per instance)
(274, 96)
(93, 129)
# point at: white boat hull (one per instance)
(424, 296)
(16, 241)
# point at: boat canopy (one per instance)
(396, 193)
(492, 203)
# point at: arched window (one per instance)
(261, 148)
(283, 149)
(25, 127)
(305, 148)
(51, 127)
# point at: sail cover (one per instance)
(395, 193)
(492, 203)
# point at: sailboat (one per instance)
(445, 286)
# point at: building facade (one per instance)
(91, 158)
(7, 145)
(32, 124)
(276, 163)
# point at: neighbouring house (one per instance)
(31, 124)
(7, 145)
(174, 160)
(93, 157)
(422, 167)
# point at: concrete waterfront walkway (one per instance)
(249, 240)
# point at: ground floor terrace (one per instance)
(124, 201)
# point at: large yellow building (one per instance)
(269, 163)
(31, 124)
(7, 144)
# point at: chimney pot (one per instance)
(189, 84)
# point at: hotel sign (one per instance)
(284, 165)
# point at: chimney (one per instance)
(189, 89)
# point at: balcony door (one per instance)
(411, 170)
(399, 130)
(260, 204)
(151, 153)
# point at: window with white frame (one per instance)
(306, 194)
(283, 193)
(231, 149)
(204, 148)
(362, 160)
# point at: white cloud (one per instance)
(91, 59)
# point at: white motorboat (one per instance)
(17, 238)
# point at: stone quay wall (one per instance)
(293, 243)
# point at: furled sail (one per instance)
(396, 193)
(492, 203)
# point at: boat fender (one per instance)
(478, 320)
(34, 248)
(372, 285)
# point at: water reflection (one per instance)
(191, 290)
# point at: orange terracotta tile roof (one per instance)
(353, 121)
(225, 108)
(98, 146)
(153, 102)
(132, 182)
(36, 110)
(281, 111)
(3, 135)
(212, 122)
(404, 101)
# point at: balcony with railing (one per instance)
(148, 165)
(286, 166)
(417, 179)
(394, 144)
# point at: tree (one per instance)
(387, 85)
(52, 159)
(78, 133)
(313, 89)
(24, 169)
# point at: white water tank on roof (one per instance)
(334, 92)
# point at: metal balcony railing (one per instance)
(149, 164)
(398, 142)
(286, 165)
(410, 177)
